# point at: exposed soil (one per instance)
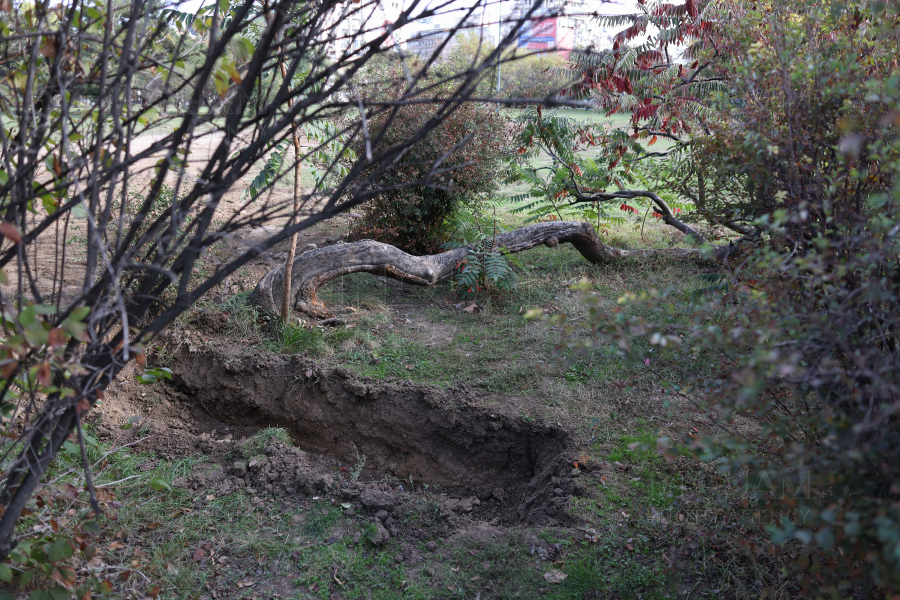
(489, 464)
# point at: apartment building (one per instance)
(353, 24)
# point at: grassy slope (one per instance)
(415, 333)
(281, 549)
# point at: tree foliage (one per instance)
(800, 335)
(457, 163)
(523, 74)
(147, 208)
(665, 83)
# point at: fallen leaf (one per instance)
(96, 562)
(116, 546)
(554, 576)
(199, 554)
(454, 569)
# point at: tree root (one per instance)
(315, 267)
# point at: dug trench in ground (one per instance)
(501, 467)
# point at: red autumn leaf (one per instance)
(43, 373)
(48, 47)
(8, 369)
(56, 337)
(11, 231)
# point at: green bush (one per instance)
(804, 331)
(411, 217)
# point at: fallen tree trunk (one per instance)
(314, 267)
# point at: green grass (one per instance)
(649, 482)
(416, 333)
(618, 120)
(606, 572)
(255, 444)
(188, 543)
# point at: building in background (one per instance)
(550, 33)
(425, 43)
(362, 24)
(424, 38)
(562, 25)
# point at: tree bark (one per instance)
(292, 249)
(315, 267)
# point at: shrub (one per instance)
(804, 333)
(533, 75)
(411, 218)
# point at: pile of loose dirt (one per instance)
(418, 441)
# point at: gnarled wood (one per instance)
(313, 268)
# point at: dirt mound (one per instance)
(492, 463)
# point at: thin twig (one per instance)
(88, 478)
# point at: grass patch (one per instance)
(416, 333)
(649, 481)
(606, 573)
(256, 444)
